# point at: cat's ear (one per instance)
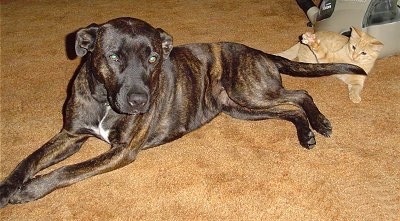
(356, 33)
(376, 45)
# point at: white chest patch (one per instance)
(101, 130)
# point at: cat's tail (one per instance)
(300, 69)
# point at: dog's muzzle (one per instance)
(134, 103)
(138, 102)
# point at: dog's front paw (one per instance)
(34, 189)
(23, 196)
(7, 190)
(20, 198)
(29, 191)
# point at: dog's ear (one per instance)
(167, 44)
(85, 39)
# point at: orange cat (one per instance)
(359, 49)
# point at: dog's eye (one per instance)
(114, 57)
(153, 58)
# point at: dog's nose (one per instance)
(137, 100)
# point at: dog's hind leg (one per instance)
(286, 112)
(55, 150)
(295, 106)
(317, 120)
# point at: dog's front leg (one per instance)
(58, 148)
(40, 186)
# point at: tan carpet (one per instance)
(227, 170)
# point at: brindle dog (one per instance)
(135, 91)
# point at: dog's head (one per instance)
(125, 54)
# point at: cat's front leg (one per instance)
(355, 92)
(355, 84)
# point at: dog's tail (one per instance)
(300, 69)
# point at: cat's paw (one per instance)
(307, 38)
(310, 39)
(354, 97)
(355, 92)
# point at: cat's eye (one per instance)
(153, 58)
(363, 53)
(114, 57)
(353, 47)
